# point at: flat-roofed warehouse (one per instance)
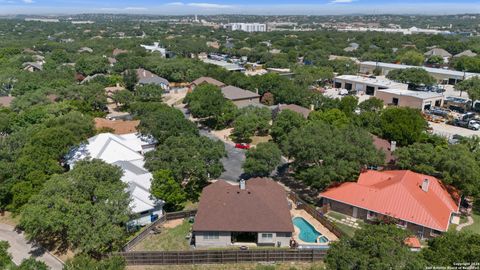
(413, 99)
(366, 85)
(443, 76)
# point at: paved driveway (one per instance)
(21, 249)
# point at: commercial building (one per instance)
(254, 212)
(224, 64)
(443, 76)
(416, 202)
(366, 85)
(247, 27)
(412, 99)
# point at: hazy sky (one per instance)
(311, 7)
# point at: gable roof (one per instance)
(438, 51)
(399, 194)
(209, 80)
(235, 93)
(295, 108)
(147, 77)
(467, 53)
(261, 207)
(123, 151)
(384, 146)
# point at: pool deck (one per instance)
(315, 223)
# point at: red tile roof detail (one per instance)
(413, 242)
(261, 207)
(399, 194)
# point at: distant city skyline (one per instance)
(258, 7)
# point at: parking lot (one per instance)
(448, 131)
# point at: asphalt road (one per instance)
(21, 249)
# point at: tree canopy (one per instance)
(403, 125)
(411, 76)
(262, 160)
(84, 210)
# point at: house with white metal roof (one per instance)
(125, 151)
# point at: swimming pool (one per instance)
(307, 231)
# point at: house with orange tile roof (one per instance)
(417, 202)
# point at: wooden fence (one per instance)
(149, 228)
(301, 204)
(221, 256)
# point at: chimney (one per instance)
(242, 184)
(312, 107)
(256, 91)
(393, 146)
(425, 185)
(118, 84)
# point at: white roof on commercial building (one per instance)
(371, 81)
(417, 94)
(442, 71)
(123, 151)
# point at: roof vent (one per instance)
(425, 185)
(242, 184)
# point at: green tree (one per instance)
(163, 122)
(251, 121)
(412, 76)
(166, 188)
(333, 117)
(82, 262)
(284, 123)
(411, 58)
(27, 264)
(374, 247)
(471, 86)
(193, 160)
(130, 79)
(371, 105)
(333, 153)
(435, 60)
(5, 257)
(123, 97)
(148, 93)
(89, 200)
(452, 248)
(456, 165)
(403, 125)
(262, 160)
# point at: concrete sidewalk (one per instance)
(21, 249)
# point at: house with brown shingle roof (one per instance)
(255, 211)
(294, 108)
(241, 97)
(208, 80)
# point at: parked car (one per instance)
(242, 146)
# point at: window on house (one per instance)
(395, 101)
(267, 235)
(371, 215)
(402, 224)
(211, 235)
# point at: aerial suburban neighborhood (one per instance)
(143, 135)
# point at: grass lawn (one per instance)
(259, 139)
(349, 231)
(475, 227)
(190, 206)
(171, 239)
(240, 266)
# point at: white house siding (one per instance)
(224, 239)
(282, 238)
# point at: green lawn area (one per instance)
(171, 239)
(259, 139)
(475, 227)
(349, 231)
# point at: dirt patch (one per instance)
(9, 219)
(172, 223)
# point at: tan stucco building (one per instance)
(412, 99)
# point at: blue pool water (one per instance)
(307, 231)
